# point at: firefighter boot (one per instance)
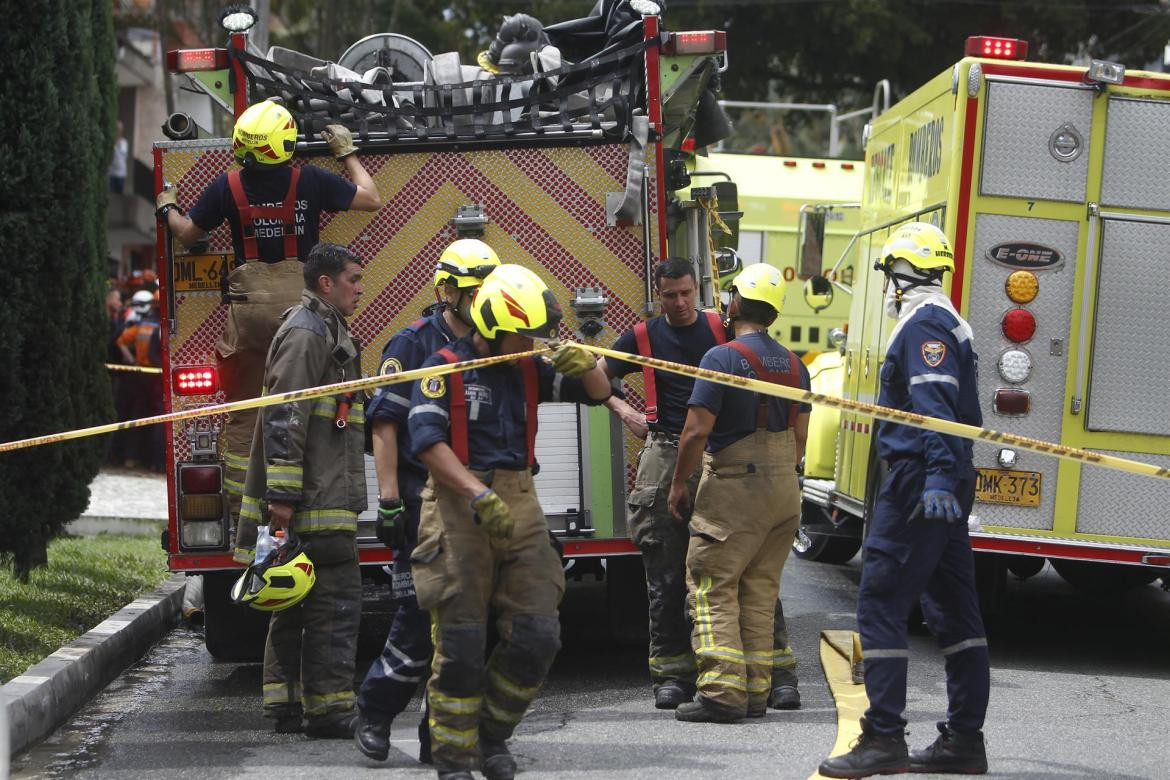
(331, 728)
(670, 695)
(872, 754)
(784, 697)
(498, 763)
(952, 753)
(703, 710)
(373, 737)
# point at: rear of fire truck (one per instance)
(1052, 182)
(560, 170)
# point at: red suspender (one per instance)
(458, 407)
(285, 212)
(531, 399)
(642, 338)
(715, 322)
(791, 379)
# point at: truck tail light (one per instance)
(202, 515)
(195, 380)
(996, 48)
(1019, 325)
(704, 42)
(1022, 286)
(200, 478)
(190, 60)
(1015, 366)
(1010, 402)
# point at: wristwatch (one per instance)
(162, 211)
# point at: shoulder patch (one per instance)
(390, 366)
(933, 353)
(434, 387)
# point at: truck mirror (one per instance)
(727, 262)
(818, 293)
(728, 198)
(812, 242)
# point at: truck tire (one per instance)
(812, 545)
(231, 632)
(1103, 579)
(625, 595)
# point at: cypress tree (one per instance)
(57, 90)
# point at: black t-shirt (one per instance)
(317, 190)
(686, 345)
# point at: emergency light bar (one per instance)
(195, 380)
(705, 42)
(996, 48)
(190, 60)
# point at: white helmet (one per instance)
(142, 301)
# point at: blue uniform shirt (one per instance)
(406, 351)
(685, 345)
(496, 409)
(930, 369)
(735, 409)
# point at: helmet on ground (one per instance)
(761, 282)
(920, 244)
(513, 299)
(265, 135)
(142, 301)
(280, 581)
(465, 263)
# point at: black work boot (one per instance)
(784, 697)
(703, 711)
(286, 721)
(669, 695)
(331, 728)
(872, 754)
(498, 763)
(952, 753)
(373, 737)
(424, 741)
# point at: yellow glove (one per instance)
(492, 514)
(167, 198)
(573, 359)
(340, 141)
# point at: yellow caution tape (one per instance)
(893, 415)
(339, 388)
(135, 369)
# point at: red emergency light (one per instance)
(195, 380)
(996, 48)
(190, 60)
(704, 42)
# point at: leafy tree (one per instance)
(56, 126)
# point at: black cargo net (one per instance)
(596, 94)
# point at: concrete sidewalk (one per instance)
(124, 501)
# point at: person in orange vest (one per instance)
(140, 346)
(274, 209)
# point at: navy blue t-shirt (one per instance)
(686, 344)
(735, 409)
(317, 190)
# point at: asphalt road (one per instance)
(1080, 689)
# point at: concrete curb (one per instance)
(50, 692)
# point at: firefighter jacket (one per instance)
(301, 455)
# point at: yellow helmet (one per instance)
(513, 299)
(761, 282)
(920, 244)
(280, 581)
(265, 134)
(465, 263)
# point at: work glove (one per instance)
(390, 527)
(340, 141)
(941, 505)
(165, 201)
(573, 359)
(491, 513)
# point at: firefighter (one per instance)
(307, 473)
(746, 508)
(393, 678)
(681, 334)
(274, 210)
(917, 544)
(140, 345)
(483, 538)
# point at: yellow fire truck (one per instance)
(561, 170)
(1054, 184)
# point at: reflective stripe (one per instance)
(234, 461)
(924, 378)
(282, 693)
(556, 388)
(868, 654)
(313, 520)
(244, 554)
(763, 685)
(726, 680)
(455, 705)
(320, 703)
(404, 658)
(764, 656)
(429, 409)
(966, 644)
(324, 406)
(395, 398)
(285, 476)
(498, 713)
(672, 663)
(960, 333)
(511, 688)
(703, 613)
(233, 487)
(453, 737)
(729, 654)
(250, 509)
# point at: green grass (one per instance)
(85, 581)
